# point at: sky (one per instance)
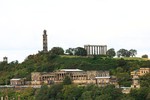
(73, 23)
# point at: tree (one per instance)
(145, 56)
(27, 93)
(79, 51)
(123, 53)
(43, 93)
(124, 79)
(55, 92)
(145, 80)
(140, 94)
(57, 51)
(148, 96)
(87, 95)
(70, 51)
(111, 52)
(127, 97)
(112, 92)
(67, 80)
(72, 92)
(122, 62)
(133, 52)
(103, 97)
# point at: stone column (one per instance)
(58, 76)
(97, 50)
(88, 50)
(105, 49)
(45, 44)
(101, 49)
(92, 50)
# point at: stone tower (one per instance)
(45, 48)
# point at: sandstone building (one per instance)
(17, 81)
(141, 71)
(101, 78)
(136, 74)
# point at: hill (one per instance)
(46, 62)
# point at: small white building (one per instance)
(17, 81)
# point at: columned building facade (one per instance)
(101, 78)
(45, 47)
(95, 49)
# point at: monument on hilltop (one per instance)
(45, 47)
(95, 49)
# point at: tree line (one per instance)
(79, 51)
(74, 92)
(52, 60)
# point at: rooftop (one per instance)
(16, 79)
(103, 77)
(71, 70)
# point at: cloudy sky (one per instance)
(72, 23)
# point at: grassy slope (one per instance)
(46, 63)
(134, 58)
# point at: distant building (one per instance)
(101, 78)
(95, 49)
(135, 82)
(136, 74)
(135, 79)
(141, 71)
(17, 81)
(45, 47)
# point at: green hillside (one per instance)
(46, 62)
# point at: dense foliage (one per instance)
(126, 53)
(145, 56)
(66, 92)
(74, 92)
(79, 51)
(47, 62)
(111, 52)
(55, 59)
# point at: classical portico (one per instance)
(96, 49)
(101, 78)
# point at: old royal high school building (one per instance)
(101, 78)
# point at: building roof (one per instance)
(103, 77)
(16, 79)
(71, 70)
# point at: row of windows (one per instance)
(144, 71)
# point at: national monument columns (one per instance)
(95, 49)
